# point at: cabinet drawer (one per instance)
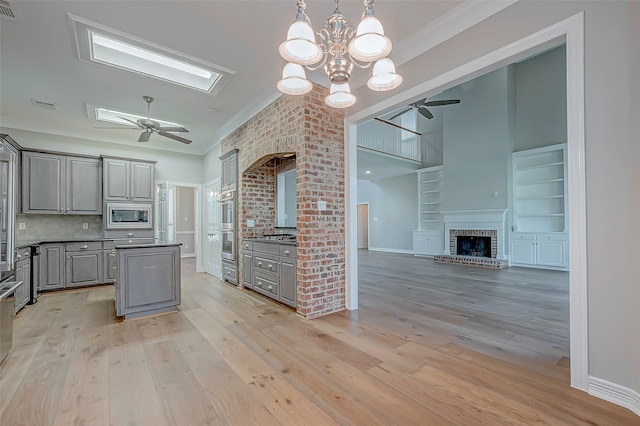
(108, 244)
(23, 253)
(140, 233)
(84, 246)
(552, 237)
(288, 251)
(520, 236)
(229, 272)
(134, 241)
(247, 245)
(265, 285)
(269, 248)
(265, 263)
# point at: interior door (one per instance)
(212, 245)
(363, 226)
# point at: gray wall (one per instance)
(541, 100)
(393, 211)
(211, 164)
(477, 144)
(612, 90)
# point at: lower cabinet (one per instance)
(23, 273)
(428, 243)
(84, 264)
(540, 250)
(52, 266)
(270, 268)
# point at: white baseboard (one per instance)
(390, 250)
(617, 394)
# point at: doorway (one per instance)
(177, 218)
(211, 242)
(363, 225)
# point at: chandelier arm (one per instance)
(362, 65)
(320, 65)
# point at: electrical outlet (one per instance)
(85, 226)
(22, 226)
(322, 205)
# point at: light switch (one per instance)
(322, 205)
(85, 226)
(22, 226)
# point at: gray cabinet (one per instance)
(270, 268)
(148, 280)
(229, 174)
(110, 262)
(23, 273)
(60, 184)
(52, 260)
(84, 264)
(128, 180)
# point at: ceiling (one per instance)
(38, 62)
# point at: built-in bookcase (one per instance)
(540, 189)
(429, 199)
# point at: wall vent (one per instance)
(42, 104)
(6, 10)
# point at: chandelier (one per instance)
(340, 49)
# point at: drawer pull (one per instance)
(269, 266)
(130, 234)
(287, 252)
(84, 247)
(270, 287)
(19, 256)
(259, 263)
(260, 283)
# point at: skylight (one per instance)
(112, 116)
(107, 46)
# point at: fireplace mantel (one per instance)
(477, 220)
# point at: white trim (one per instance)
(365, 203)
(493, 220)
(351, 215)
(217, 272)
(620, 395)
(390, 250)
(572, 31)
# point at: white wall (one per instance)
(477, 144)
(170, 166)
(211, 164)
(393, 211)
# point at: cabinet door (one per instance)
(83, 186)
(247, 267)
(435, 244)
(110, 266)
(288, 282)
(552, 250)
(84, 268)
(51, 267)
(420, 244)
(18, 295)
(116, 179)
(229, 170)
(523, 249)
(142, 180)
(42, 183)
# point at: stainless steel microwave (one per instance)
(129, 216)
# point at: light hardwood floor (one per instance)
(233, 357)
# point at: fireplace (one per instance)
(475, 237)
(473, 246)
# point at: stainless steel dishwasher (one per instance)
(7, 312)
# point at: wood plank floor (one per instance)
(232, 357)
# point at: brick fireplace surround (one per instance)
(306, 126)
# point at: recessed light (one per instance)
(212, 109)
(368, 172)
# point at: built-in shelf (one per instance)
(429, 198)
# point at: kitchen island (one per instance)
(147, 279)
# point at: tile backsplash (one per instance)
(38, 227)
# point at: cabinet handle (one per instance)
(269, 266)
(260, 283)
(287, 252)
(259, 263)
(68, 257)
(19, 257)
(130, 234)
(84, 247)
(270, 287)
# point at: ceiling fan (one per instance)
(422, 105)
(150, 126)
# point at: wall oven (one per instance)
(228, 244)
(129, 216)
(227, 204)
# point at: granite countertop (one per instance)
(27, 243)
(270, 241)
(135, 246)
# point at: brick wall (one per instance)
(303, 125)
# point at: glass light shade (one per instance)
(370, 43)
(294, 81)
(300, 46)
(340, 96)
(384, 76)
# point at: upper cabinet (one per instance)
(60, 184)
(229, 170)
(128, 180)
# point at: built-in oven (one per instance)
(228, 244)
(227, 204)
(129, 216)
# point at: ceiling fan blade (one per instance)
(172, 129)
(425, 112)
(174, 137)
(115, 128)
(144, 136)
(442, 102)
(131, 121)
(399, 127)
(399, 114)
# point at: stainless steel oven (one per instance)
(228, 207)
(129, 216)
(228, 237)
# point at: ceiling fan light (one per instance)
(370, 43)
(300, 46)
(340, 96)
(294, 80)
(384, 76)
